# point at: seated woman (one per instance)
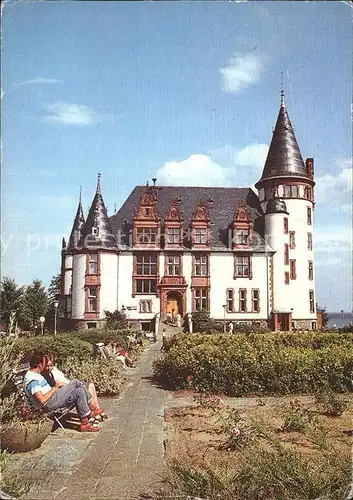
(54, 376)
(121, 353)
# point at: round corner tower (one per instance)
(286, 194)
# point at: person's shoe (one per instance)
(87, 426)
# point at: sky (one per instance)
(187, 92)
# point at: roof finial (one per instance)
(80, 197)
(114, 208)
(99, 184)
(282, 90)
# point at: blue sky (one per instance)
(186, 91)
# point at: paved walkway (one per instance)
(120, 462)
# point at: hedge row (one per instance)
(239, 365)
(78, 344)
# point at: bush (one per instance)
(93, 336)
(296, 418)
(62, 346)
(331, 404)
(253, 364)
(105, 374)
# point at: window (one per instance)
(286, 278)
(200, 295)
(145, 306)
(286, 254)
(285, 225)
(93, 263)
(230, 300)
(292, 239)
(311, 270)
(255, 296)
(242, 266)
(146, 287)
(242, 300)
(95, 231)
(146, 235)
(173, 265)
(310, 241)
(92, 299)
(287, 191)
(91, 325)
(313, 325)
(307, 193)
(200, 235)
(311, 301)
(309, 218)
(268, 192)
(68, 306)
(293, 273)
(173, 235)
(200, 265)
(146, 264)
(242, 236)
(295, 191)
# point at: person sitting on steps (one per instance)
(49, 399)
(54, 376)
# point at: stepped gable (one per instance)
(219, 202)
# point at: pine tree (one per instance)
(11, 302)
(36, 303)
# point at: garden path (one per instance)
(121, 461)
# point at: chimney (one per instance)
(309, 164)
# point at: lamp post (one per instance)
(224, 323)
(41, 319)
(56, 305)
(342, 318)
(123, 310)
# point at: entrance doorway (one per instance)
(284, 322)
(173, 303)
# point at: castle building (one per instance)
(243, 257)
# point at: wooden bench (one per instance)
(17, 380)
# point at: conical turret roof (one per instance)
(284, 158)
(97, 232)
(77, 227)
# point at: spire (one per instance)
(77, 225)
(282, 91)
(284, 158)
(97, 232)
(98, 190)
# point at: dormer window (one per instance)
(242, 236)
(95, 231)
(173, 235)
(200, 235)
(146, 235)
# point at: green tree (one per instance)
(11, 302)
(115, 320)
(36, 303)
(54, 291)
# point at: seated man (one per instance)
(50, 399)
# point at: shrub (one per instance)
(253, 364)
(331, 404)
(93, 336)
(296, 418)
(62, 346)
(11, 483)
(105, 374)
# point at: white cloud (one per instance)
(242, 71)
(39, 80)
(253, 155)
(336, 187)
(70, 113)
(197, 170)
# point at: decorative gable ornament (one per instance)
(241, 215)
(173, 214)
(147, 209)
(201, 213)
